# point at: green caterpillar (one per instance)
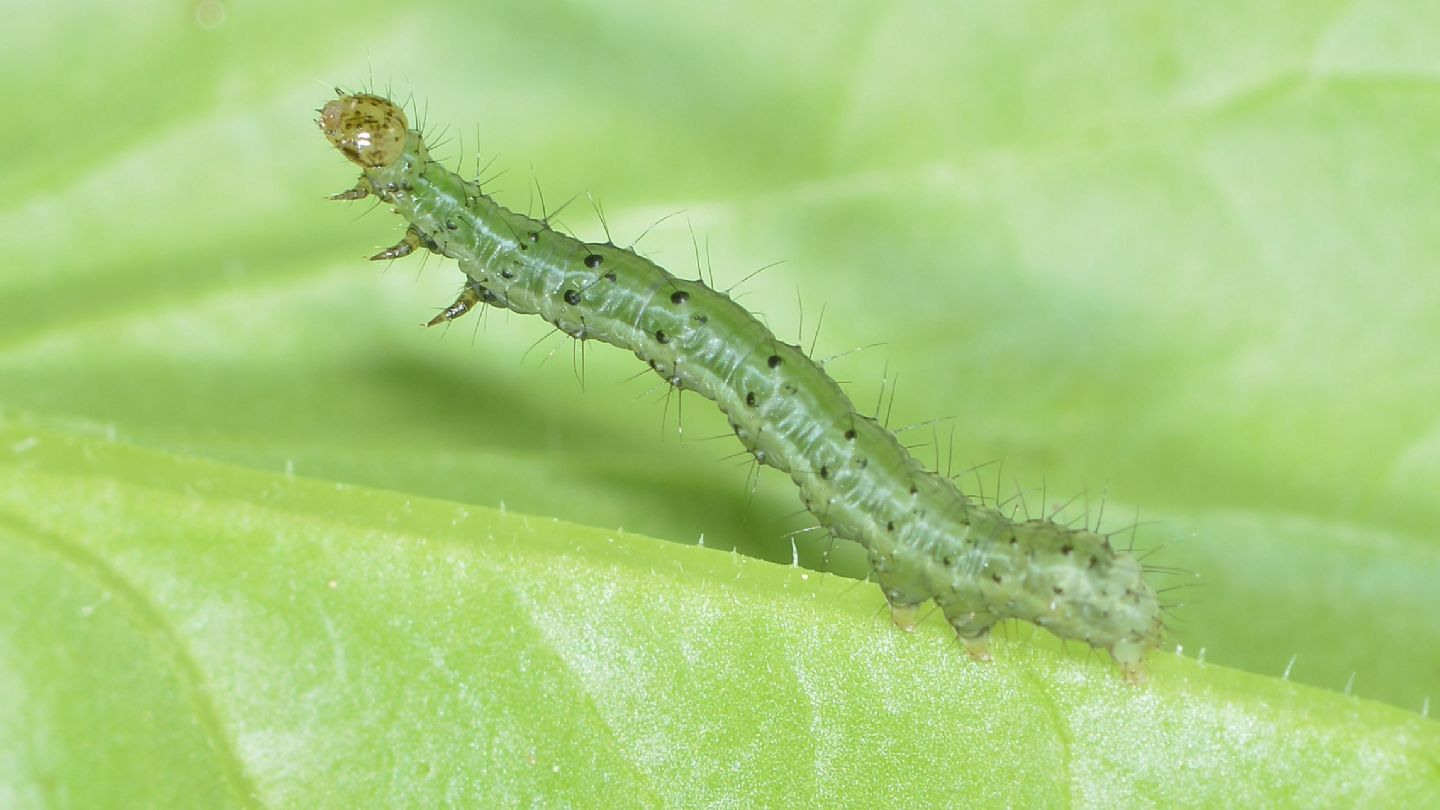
(925, 538)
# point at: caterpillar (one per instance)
(924, 538)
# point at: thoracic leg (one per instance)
(465, 302)
(412, 241)
(359, 191)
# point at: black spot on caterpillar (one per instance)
(925, 539)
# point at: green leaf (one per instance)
(415, 651)
(1175, 259)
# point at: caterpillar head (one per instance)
(369, 130)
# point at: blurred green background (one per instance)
(1177, 258)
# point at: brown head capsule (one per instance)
(369, 130)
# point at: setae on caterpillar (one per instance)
(924, 538)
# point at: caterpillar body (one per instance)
(924, 538)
